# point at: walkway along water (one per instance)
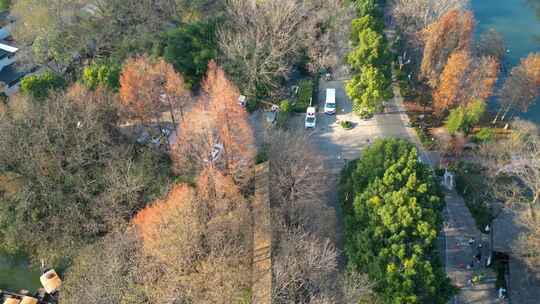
(459, 228)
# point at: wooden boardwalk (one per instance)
(262, 239)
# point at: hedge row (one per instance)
(305, 94)
(370, 60)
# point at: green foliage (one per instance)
(370, 7)
(483, 135)
(364, 23)
(38, 86)
(370, 49)
(285, 106)
(470, 183)
(189, 48)
(393, 214)
(464, 118)
(425, 137)
(367, 90)
(262, 155)
(4, 5)
(251, 105)
(105, 74)
(475, 111)
(370, 60)
(305, 95)
(345, 124)
(285, 109)
(456, 120)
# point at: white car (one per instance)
(311, 118)
(330, 102)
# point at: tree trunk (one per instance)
(505, 113)
(497, 116)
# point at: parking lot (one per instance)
(336, 144)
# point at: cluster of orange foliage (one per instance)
(449, 67)
(147, 87)
(451, 33)
(465, 79)
(217, 120)
(200, 236)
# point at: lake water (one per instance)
(519, 23)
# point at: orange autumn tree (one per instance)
(465, 79)
(233, 127)
(178, 213)
(452, 81)
(217, 132)
(451, 33)
(198, 237)
(146, 88)
(522, 88)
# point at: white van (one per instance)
(311, 118)
(330, 102)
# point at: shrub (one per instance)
(345, 124)
(38, 86)
(464, 118)
(285, 106)
(251, 105)
(4, 5)
(456, 120)
(106, 74)
(262, 155)
(483, 135)
(284, 112)
(305, 95)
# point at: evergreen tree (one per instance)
(393, 215)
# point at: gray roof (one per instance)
(10, 75)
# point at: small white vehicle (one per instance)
(311, 118)
(330, 102)
(242, 100)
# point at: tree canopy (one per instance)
(393, 215)
(38, 86)
(189, 48)
(78, 179)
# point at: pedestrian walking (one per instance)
(478, 256)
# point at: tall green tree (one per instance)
(369, 51)
(189, 48)
(393, 215)
(367, 90)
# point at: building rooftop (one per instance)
(10, 75)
